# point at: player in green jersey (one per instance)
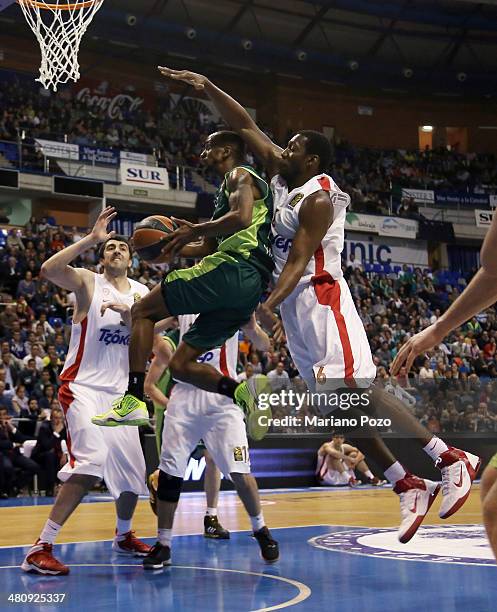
(224, 288)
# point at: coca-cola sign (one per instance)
(112, 105)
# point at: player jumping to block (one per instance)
(95, 372)
(225, 288)
(193, 414)
(325, 334)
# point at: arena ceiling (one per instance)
(440, 47)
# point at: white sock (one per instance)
(122, 528)
(435, 448)
(50, 532)
(369, 474)
(165, 536)
(395, 473)
(211, 512)
(257, 522)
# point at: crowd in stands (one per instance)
(453, 389)
(175, 131)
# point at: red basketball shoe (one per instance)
(459, 469)
(40, 560)
(416, 497)
(131, 545)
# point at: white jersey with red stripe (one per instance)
(325, 335)
(223, 358)
(98, 349)
(327, 258)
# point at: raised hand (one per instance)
(99, 232)
(198, 81)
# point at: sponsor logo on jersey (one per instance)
(461, 544)
(281, 243)
(296, 199)
(114, 336)
(136, 297)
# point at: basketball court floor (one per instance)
(338, 552)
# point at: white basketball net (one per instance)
(59, 26)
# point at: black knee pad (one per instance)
(169, 488)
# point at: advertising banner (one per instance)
(60, 150)
(421, 196)
(484, 217)
(144, 176)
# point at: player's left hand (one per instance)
(419, 343)
(122, 309)
(187, 232)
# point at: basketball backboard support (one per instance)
(5, 3)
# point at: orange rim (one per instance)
(58, 7)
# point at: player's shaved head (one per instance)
(317, 144)
(226, 138)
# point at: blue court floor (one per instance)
(346, 569)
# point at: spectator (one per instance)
(247, 373)
(20, 400)
(27, 287)
(35, 353)
(278, 378)
(11, 441)
(48, 450)
(29, 375)
(6, 399)
(30, 417)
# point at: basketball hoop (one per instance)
(59, 26)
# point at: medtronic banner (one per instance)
(382, 250)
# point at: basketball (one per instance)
(150, 236)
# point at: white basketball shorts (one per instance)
(192, 415)
(111, 453)
(326, 337)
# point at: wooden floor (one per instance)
(96, 521)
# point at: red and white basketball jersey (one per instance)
(223, 358)
(98, 349)
(327, 259)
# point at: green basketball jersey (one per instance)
(252, 243)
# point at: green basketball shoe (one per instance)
(126, 410)
(248, 396)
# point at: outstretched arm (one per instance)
(478, 295)
(234, 115)
(57, 269)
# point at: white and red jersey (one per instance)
(98, 349)
(223, 358)
(327, 259)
